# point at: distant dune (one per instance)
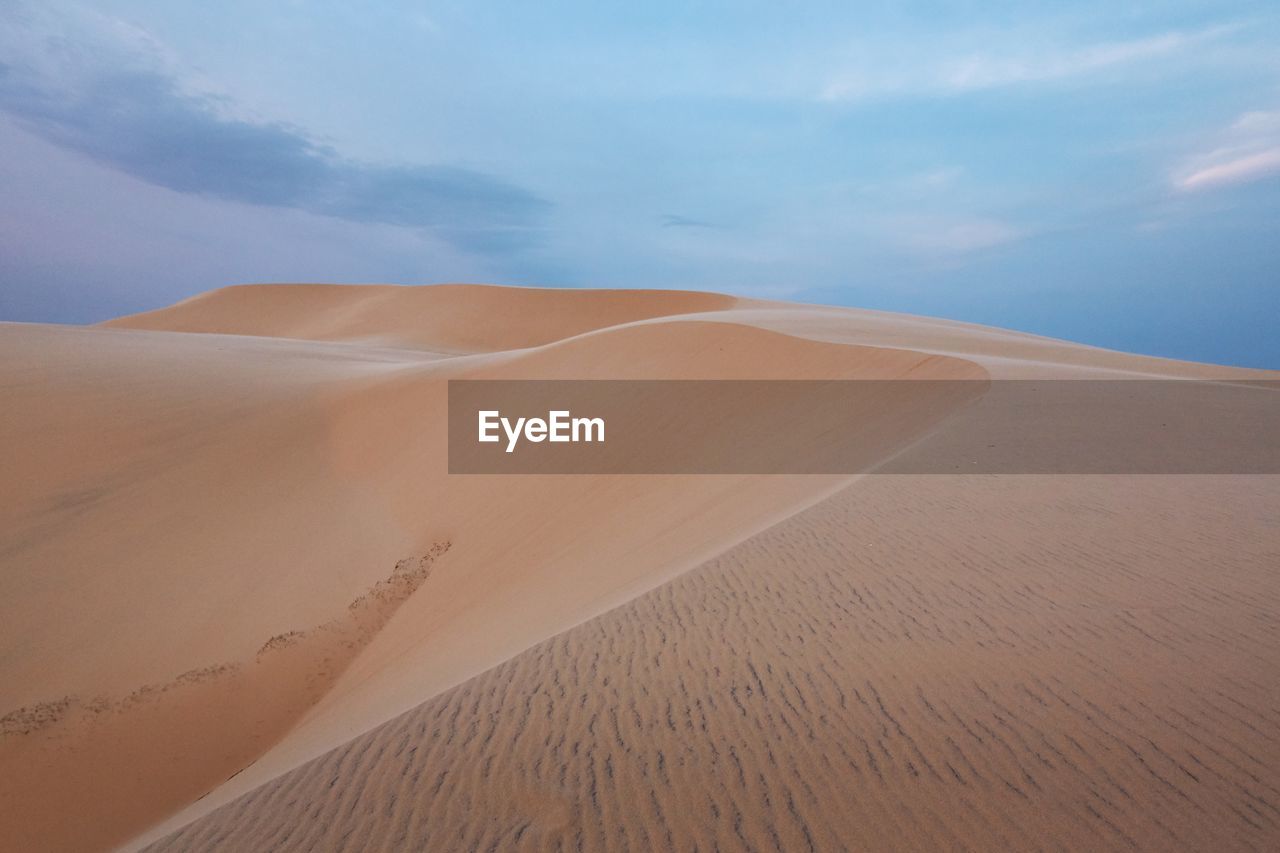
(246, 607)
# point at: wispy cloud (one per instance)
(940, 235)
(1241, 170)
(961, 236)
(948, 68)
(675, 220)
(1247, 151)
(108, 92)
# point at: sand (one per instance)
(248, 608)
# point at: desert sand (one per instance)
(246, 606)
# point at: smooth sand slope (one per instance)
(246, 604)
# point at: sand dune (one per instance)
(243, 592)
(448, 318)
(917, 663)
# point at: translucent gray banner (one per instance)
(858, 426)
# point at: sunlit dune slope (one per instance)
(230, 552)
(448, 318)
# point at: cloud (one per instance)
(1247, 151)
(129, 111)
(1241, 170)
(674, 220)
(953, 236)
(952, 71)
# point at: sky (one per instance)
(1106, 172)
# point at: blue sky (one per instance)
(1105, 172)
